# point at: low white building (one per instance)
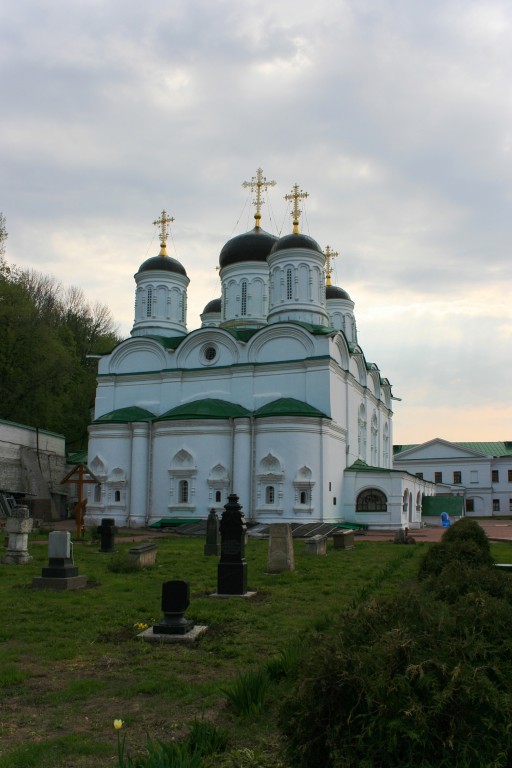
(479, 472)
(272, 398)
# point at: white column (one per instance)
(241, 480)
(139, 475)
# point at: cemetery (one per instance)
(74, 660)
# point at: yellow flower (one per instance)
(118, 724)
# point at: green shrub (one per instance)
(206, 738)
(246, 695)
(288, 660)
(459, 552)
(467, 529)
(407, 681)
(120, 562)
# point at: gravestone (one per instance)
(143, 555)
(212, 544)
(107, 531)
(61, 572)
(316, 545)
(175, 601)
(17, 526)
(280, 549)
(232, 567)
(343, 540)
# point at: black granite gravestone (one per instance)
(175, 601)
(212, 544)
(107, 531)
(232, 568)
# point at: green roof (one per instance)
(288, 406)
(167, 342)
(208, 408)
(125, 415)
(488, 449)
(242, 334)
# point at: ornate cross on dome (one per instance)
(162, 222)
(329, 255)
(260, 184)
(296, 195)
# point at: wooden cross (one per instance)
(329, 255)
(162, 222)
(296, 195)
(260, 184)
(77, 475)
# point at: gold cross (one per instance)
(260, 184)
(296, 195)
(329, 255)
(162, 222)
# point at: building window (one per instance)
(419, 475)
(304, 497)
(269, 494)
(243, 303)
(495, 505)
(495, 476)
(457, 478)
(371, 500)
(510, 505)
(183, 492)
(218, 497)
(97, 493)
(117, 495)
(470, 505)
(288, 283)
(149, 303)
(510, 475)
(438, 477)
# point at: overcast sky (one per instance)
(394, 115)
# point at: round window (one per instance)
(210, 353)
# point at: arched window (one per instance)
(289, 283)
(117, 495)
(371, 500)
(406, 501)
(183, 492)
(149, 303)
(304, 497)
(243, 303)
(269, 494)
(97, 493)
(218, 497)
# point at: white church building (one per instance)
(271, 398)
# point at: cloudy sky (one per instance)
(394, 115)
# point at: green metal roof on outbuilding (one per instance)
(288, 406)
(209, 408)
(125, 416)
(487, 449)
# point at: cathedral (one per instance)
(271, 398)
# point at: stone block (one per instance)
(316, 545)
(280, 549)
(144, 555)
(343, 540)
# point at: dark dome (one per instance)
(212, 306)
(332, 292)
(251, 246)
(296, 240)
(165, 263)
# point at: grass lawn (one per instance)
(71, 662)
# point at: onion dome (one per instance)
(251, 246)
(296, 240)
(332, 292)
(162, 262)
(213, 306)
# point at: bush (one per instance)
(407, 681)
(458, 552)
(247, 694)
(467, 529)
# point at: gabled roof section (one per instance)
(168, 342)
(208, 408)
(288, 406)
(125, 416)
(495, 449)
(241, 334)
(361, 466)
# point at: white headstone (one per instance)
(59, 544)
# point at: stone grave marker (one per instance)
(280, 549)
(174, 627)
(232, 567)
(17, 526)
(107, 531)
(61, 572)
(212, 544)
(316, 545)
(343, 539)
